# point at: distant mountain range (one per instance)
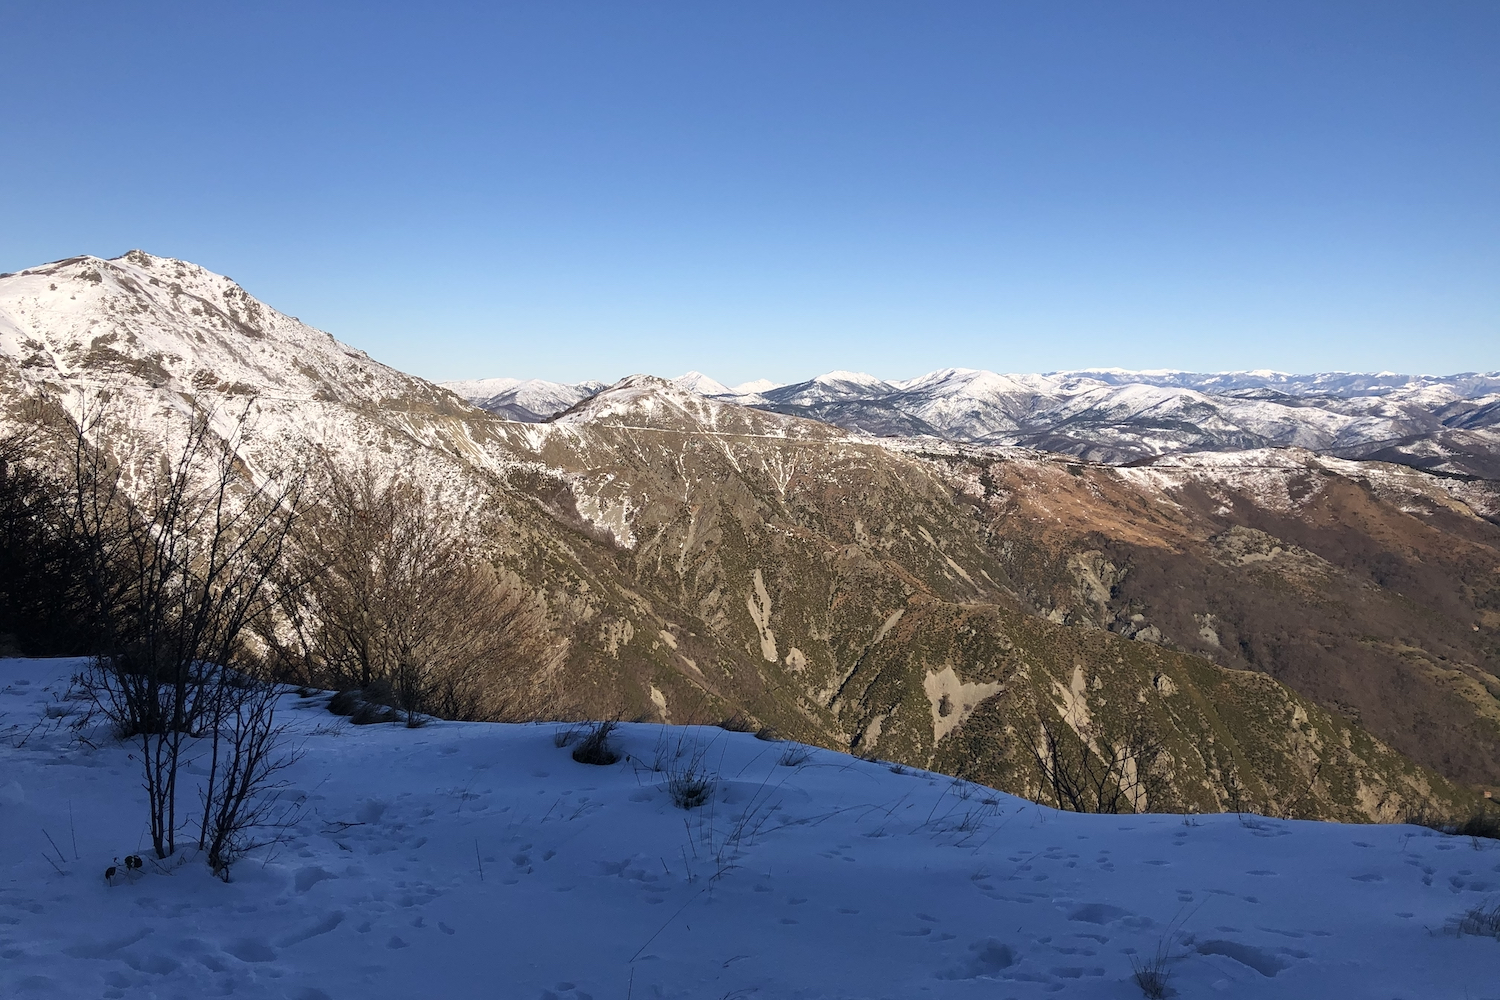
(1445, 424)
(1308, 634)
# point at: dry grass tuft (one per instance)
(595, 748)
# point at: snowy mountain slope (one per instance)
(116, 323)
(468, 860)
(161, 339)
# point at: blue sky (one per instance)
(568, 190)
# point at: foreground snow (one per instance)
(466, 860)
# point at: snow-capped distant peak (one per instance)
(850, 378)
(478, 387)
(701, 384)
(757, 386)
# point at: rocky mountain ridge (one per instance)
(1446, 424)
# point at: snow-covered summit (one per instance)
(142, 320)
(701, 384)
(755, 385)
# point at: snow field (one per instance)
(478, 860)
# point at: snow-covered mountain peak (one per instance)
(756, 386)
(842, 379)
(702, 384)
(140, 320)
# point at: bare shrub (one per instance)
(594, 747)
(769, 734)
(1481, 824)
(175, 572)
(1152, 974)
(739, 722)
(1482, 920)
(385, 590)
(43, 608)
(345, 703)
(1098, 768)
(795, 755)
(689, 780)
(241, 799)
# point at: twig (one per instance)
(73, 831)
(54, 846)
(669, 921)
(479, 859)
(340, 825)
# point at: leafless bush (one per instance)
(241, 798)
(1098, 768)
(769, 734)
(795, 755)
(1482, 823)
(346, 703)
(689, 780)
(43, 609)
(595, 747)
(385, 590)
(1152, 974)
(1482, 920)
(739, 722)
(175, 571)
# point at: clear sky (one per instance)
(576, 190)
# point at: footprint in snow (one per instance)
(1098, 913)
(986, 958)
(156, 965)
(1251, 957)
(321, 926)
(306, 878)
(251, 950)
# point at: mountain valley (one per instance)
(1304, 615)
